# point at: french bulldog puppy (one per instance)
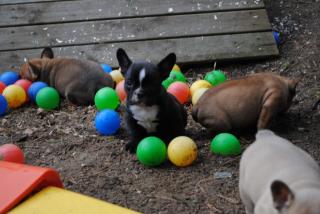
(277, 177)
(76, 80)
(150, 110)
(239, 104)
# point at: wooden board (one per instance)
(121, 30)
(194, 49)
(70, 11)
(197, 31)
(11, 2)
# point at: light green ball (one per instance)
(151, 151)
(48, 98)
(225, 144)
(106, 98)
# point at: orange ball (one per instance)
(15, 95)
(180, 90)
(120, 91)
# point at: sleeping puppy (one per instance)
(76, 80)
(150, 110)
(239, 104)
(277, 177)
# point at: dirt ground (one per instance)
(98, 166)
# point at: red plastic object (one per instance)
(19, 180)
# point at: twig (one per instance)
(230, 200)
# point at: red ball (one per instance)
(25, 84)
(2, 87)
(180, 90)
(120, 91)
(12, 153)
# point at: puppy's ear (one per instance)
(124, 60)
(166, 65)
(34, 69)
(282, 196)
(47, 53)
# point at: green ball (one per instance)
(225, 144)
(152, 151)
(48, 98)
(106, 98)
(215, 77)
(177, 76)
(167, 82)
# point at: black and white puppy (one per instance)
(150, 110)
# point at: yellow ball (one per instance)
(182, 151)
(116, 75)
(176, 68)
(197, 94)
(15, 95)
(199, 84)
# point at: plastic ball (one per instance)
(120, 91)
(3, 105)
(199, 84)
(2, 87)
(167, 82)
(15, 95)
(35, 88)
(176, 68)
(180, 90)
(177, 76)
(196, 96)
(106, 98)
(106, 68)
(182, 151)
(107, 122)
(25, 84)
(151, 151)
(48, 98)
(215, 77)
(276, 36)
(225, 144)
(116, 76)
(9, 77)
(12, 153)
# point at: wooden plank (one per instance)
(11, 2)
(194, 49)
(133, 29)
(71, 11)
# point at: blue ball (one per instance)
(276, 36)
(3, 105)
(107, 122)
(9, 77)
(35, 88)
(106, 68)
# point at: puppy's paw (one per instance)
(131, 148)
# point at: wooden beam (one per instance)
(195, 49)
(148, 28)
(71, 11)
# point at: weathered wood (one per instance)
(11, 2)
(133, 29)
(196, 49)
(70, 11)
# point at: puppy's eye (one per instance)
(128, 83)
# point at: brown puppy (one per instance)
(75, 80)
(238, 104)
